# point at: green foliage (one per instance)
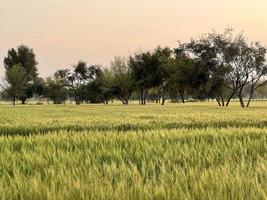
(151, 69)
(25, 57)
(122, 82)
(17, 82)
(55, 89)
(218, 66)
(232, 64)
(98, 89)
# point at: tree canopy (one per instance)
(220, 66)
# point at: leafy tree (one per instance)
(78, 79)
(232, 65)
(191, 75)
(180, 78)
(25, 57)
(17, 82)
(212, 50)
(122, 82)
(98, 90)
(144, 67)
(162, 72)
(38, 87)
(55, 90)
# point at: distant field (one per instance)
(191, 151)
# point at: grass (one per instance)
(192, 151)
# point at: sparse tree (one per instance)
(247, 67)
(122, 80)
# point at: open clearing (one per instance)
(191, 151)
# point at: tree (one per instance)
(163, 72)
(17, 82)
(232, 65)
(141, 68)
(77, 79)
(38, 87)
(212, 51)
(145, 68)
(180, 78)
(247, 67)
(98, 89)
(191, 75)
(55, 89)
(25, 57)
(258, 69)
(122, 83)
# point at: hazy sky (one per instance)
(62, 32)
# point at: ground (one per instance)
(191, 151)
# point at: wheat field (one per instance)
(191, 151)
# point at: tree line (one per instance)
(218, 66)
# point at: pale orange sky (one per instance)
(61, 32)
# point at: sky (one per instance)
(62, 32)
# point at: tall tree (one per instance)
(77, 79)
(122, 79)
(98, 88)
(17, 82)
(55, 89)
(212, 50)
(181, 76)
(25, 57)
(145, 70)
(162, 72)
(38, 87)
(248, 67)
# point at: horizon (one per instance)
(62, 33)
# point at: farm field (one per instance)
(191, 151)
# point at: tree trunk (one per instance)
(145, 97)
(218, 101)
(249, 100)
(142, 96)
(242, 104)
(230, 98)
(163, 96)
(163, 101)
(250, 97)
(77, 100)
(182, 98)
(126, 99)
(158, 95)
(222, 100)
(23, 101)
(14, 101)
